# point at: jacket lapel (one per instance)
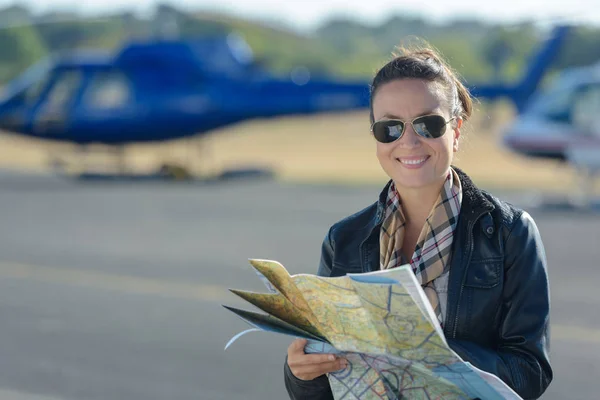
(474, 206)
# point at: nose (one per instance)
(410, 139)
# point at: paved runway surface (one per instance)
(114, 291)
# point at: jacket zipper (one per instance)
(464, 278)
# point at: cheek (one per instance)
(382, 150)
(443, 150)
(383, 156)
(446, 146)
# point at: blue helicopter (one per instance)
(165, 89)
(161, 90)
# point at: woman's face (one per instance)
(413, 161)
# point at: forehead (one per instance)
(408, 98)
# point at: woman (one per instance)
(485, 274)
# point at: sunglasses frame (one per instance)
(446, 122)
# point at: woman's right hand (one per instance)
(310, 366)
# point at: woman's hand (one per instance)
(309, 366)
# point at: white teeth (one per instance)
(413, 162)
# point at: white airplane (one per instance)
(563, 123)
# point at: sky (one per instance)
(305, 15)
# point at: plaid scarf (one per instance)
(432, 252)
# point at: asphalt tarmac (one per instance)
(114, 290)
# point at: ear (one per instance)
(456, 138)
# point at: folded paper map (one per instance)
(381, 322)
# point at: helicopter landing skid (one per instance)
(110, 164)
(87, 163)
(86, 159)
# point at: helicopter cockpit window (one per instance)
(63, 91)
(33, 92)
(107, 90)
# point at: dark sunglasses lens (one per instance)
(430, 126)
(388, 131)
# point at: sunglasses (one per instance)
(427, 126)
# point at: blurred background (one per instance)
(147, 150)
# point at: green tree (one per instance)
(21, 47)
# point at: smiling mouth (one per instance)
(413, 161)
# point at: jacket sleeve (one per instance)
(521, 358)
(318, 388)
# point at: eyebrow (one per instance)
(392, 116)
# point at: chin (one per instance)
(414, 179)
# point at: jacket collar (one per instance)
(473, 197)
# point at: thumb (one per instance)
(298, 345)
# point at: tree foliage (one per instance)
(344, 48)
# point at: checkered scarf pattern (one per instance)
(431, 258)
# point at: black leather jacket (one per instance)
(498, 292)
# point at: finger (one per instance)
(333, 366)
(312, 371)
(310, 359)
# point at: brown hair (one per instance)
(427, 64)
